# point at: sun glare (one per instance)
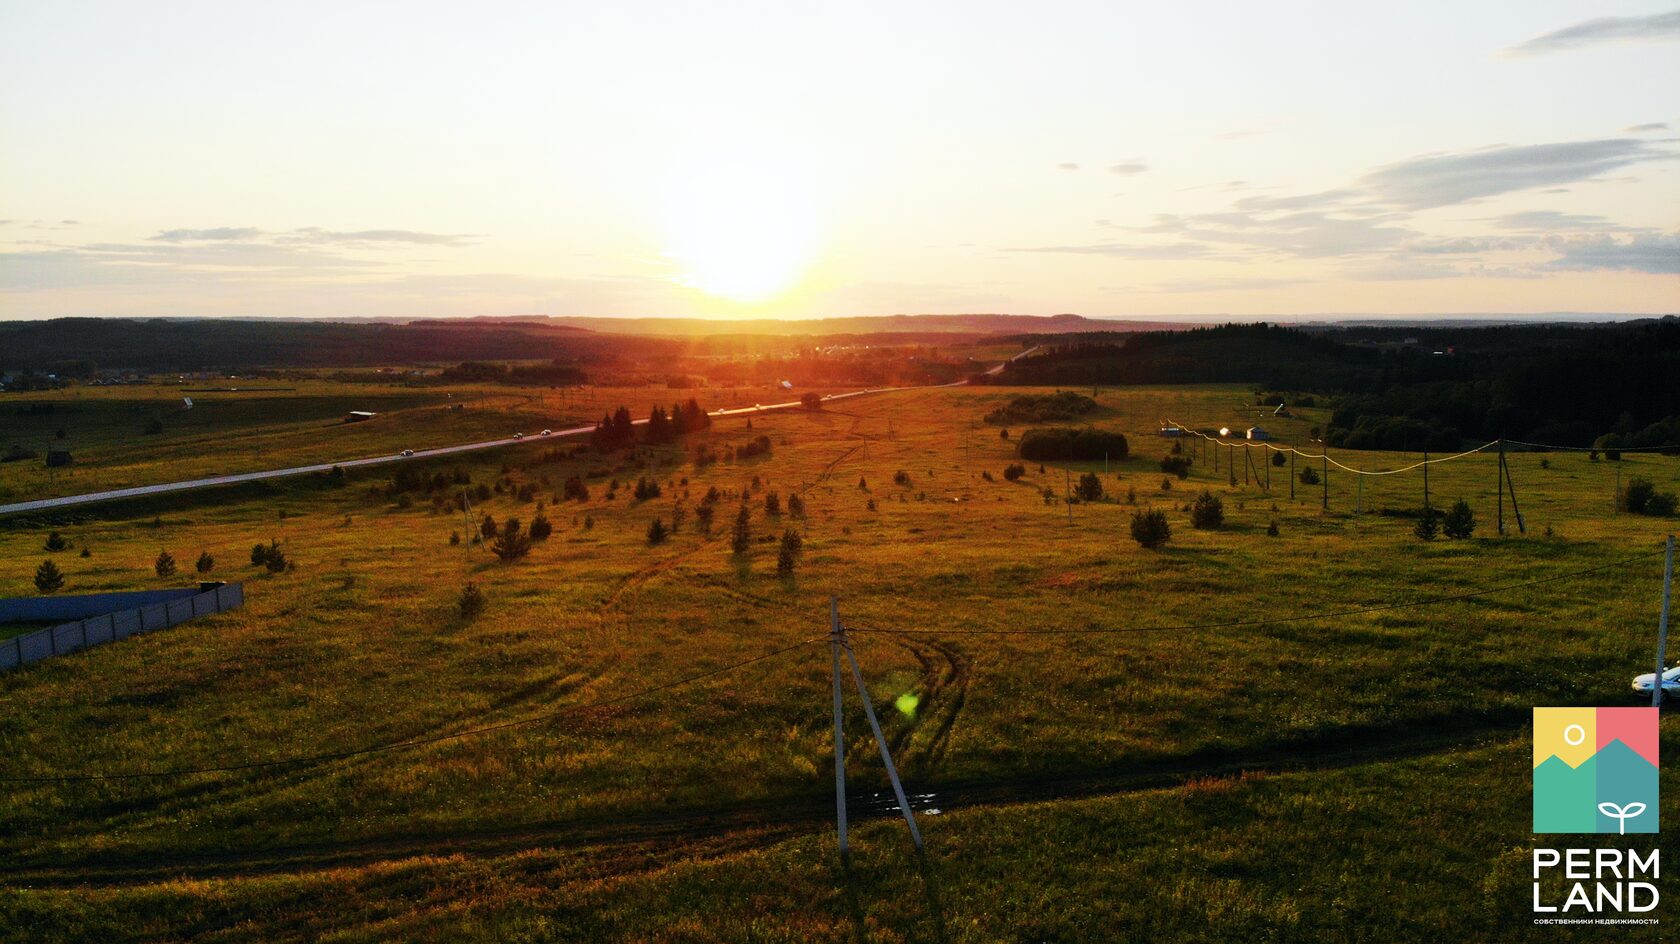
(740, 229)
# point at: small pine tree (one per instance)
(56, 542)
(1272, 529)
(1309, 475)
(678, 513)
(1150, 527)
(656, 532)
(788, 554)
(1279, 460)
(541, 527)
(454, 538)
(1207, 511)
(259, 555)
(703, 515)
(86, 552)
(1428, 525)
(796, 505)
(510, 544)
(205, 563)
(472, 601)
(274, 558)
(741, 539)
(165, 564)
(487, 527)
(1090, 487)
(772, 504)
(48, 578)
(1460, 522)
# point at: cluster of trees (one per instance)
(617, 430)
(1055, 407)
(554, 374)
(1064, 443)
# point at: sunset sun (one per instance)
(740, 229)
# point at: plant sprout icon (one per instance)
(1621, 813)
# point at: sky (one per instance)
(797, 160)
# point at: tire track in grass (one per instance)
(759, 823)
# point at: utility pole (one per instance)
(886, 755)
(1067, 492)
(834, 642)
(1426, 483)
(1662, 624)
(1292, 473)
(1499, 484)
(1326, 475)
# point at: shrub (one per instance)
(56, 542)
(541, 527)
(811, 400)
(48, 578)
(1207, 511)
(86, 552)
(1309, 475)
(703, 515)
(901, 477)
(1090, 487)
(1060, 443)
(741, 539)
(788, 555)
(657, 532)
(154, 428)
(1043, 408)
(205, 562)
(487, 527)
(454, 538)
(646, 488)
(274, 558)
(1150, 527)
(1272, 529)
(1460, 522)
(165, 564)
(1642, 498)
(1428, 525)
(772, 504)
(1176, 465)
(511, 544)
(758, 446)
(1014, 471)
(1279, 459)
(471, 602)
(796, 505)
(259, 555)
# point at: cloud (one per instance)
(1067, 165)
(1178, 250)
(1551, 220)
(1128, 167)
(217, 234)
(1657, 253)
(1437, 180)
(1221, 284)
(1649, 126)
(1607, 29)
(313, 234)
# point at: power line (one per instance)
(411, 742)
(1327, 457)
(1661, 450)
(1329, 614)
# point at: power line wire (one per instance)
(411, 742)
(1326, 456)
(1329, 614)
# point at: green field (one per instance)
(1117, 741)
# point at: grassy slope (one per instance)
(360, 645)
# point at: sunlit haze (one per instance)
(797, 160)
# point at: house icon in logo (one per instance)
(1595, 770)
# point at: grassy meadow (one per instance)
(1106, 742)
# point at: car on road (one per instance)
(407, 452)
(518, 435)
(547, 432)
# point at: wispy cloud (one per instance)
(1648, 126)
(216, 234)
(1606, 29)
(1128, 167)
(1067, 165)
(313, 234)
(1657, 253)
(1437, 180)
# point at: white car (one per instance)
(548, 432)
(407, 452)
(1671, 682)
(518, 435)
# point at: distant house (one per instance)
(1171, 432)
(57, 457)
(357, 416)
(1257, 434)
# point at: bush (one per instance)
(472, 601)
(165, 564)
(741, 539)
(1090, 487)
(511, 544)
(1061, 443)
(1642, 498)
(1207, 511)
(811, 400)
(1460, 522)
(1176, 465)
(48, 578)
(1014, 471)
(56, 542)
(274, 558)
(1043, 408)
(772, 504)
(703, 514)
(646, 488)
(788, 554)
(1272, 529)
(1279, 459)
(657, 532)
(1150, 527)
(259, 555)
(205, 562)
(1428, 525)
(487, 527)
(796, 505)
(541, 527)
(1309, 475)
(901, 477)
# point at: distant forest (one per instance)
(1611, 386)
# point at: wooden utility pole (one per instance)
(1499, 484)
(1291, 472)
(1521, 529)
(1326, 455)
(1662, 624)
(834, 643)
(1426, 482)
(886, 755)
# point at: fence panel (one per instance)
(179, 611)
(204, 604)
(100, 629)
(125, 624)
(66, 637)
(153, 617)
(11, 653)
(37, 645)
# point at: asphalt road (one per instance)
(66, 501)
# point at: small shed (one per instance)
(1256, 434)
(57, 457)
(357, 416)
